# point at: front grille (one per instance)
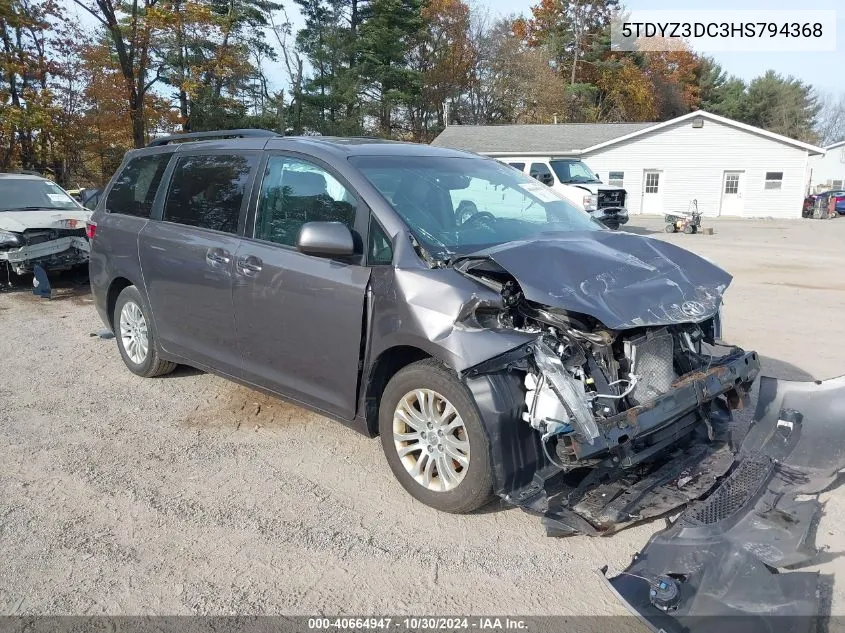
(611, 198)
(736, 491)
(652, 362)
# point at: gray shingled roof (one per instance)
(562, 138)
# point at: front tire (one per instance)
(135, 336)
(433, 438)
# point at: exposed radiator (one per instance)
(651, 361)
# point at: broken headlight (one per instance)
(10, 240)
(569, 391)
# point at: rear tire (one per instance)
(429, 416)
(135, 335)
(670, 228)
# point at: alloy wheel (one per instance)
(431, 440)
(133, 332)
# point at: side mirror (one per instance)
(325, 239)
(547, 179)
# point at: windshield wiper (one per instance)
(41, 208)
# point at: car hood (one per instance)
(621, 279)
(20, 221)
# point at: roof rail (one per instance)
(190, 136)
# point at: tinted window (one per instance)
(135, 188)
(519, 166)
(294, 192)
(380, 249)
(207, 191)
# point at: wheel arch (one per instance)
(117, 285)
(385, 366)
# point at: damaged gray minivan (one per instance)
(500, 341)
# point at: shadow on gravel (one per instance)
(236, 406)
(639, 230)
(182, 371)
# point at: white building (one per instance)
(730, 168)
(828, 171)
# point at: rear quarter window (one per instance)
(135, 188)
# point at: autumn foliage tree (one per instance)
(27, 108)
(75, 96)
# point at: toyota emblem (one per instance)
(693, 309)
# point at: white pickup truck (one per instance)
(574, 180)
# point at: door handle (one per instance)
(249, 265)
(217, 256)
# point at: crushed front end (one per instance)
(626, 422)
(51, 248)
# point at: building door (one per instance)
(732, 187)
(652, 192)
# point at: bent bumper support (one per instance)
(722, 554)
(35, 251)
(680, 445)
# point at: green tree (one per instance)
(721, 94)
(785, 106)
(388, 30)
(27, 108)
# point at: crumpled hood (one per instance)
(19, 221)
(621, 279)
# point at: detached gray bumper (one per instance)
(720, 558)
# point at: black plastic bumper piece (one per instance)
(724, 552)
(679, 447)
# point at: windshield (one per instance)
(32, 193)
(573, 171)
(456, 206)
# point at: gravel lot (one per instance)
(190, 495)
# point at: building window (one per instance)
(652, 182)
(731, 183)
(616, 178)
(774, 180)
(836, 184)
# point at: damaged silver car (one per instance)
(40, 225)
(499, 340)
